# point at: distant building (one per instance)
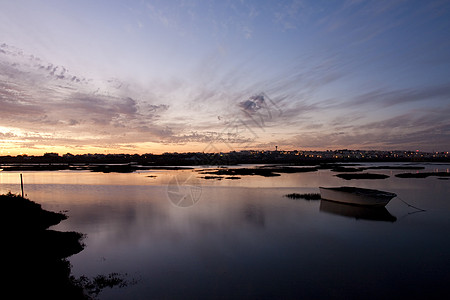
(51, 154)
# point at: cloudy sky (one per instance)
(155, 76)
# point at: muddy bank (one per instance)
(350, 176)
(307, 196)
(34, 258)
(267, 171)
(423, 175)
(345, 168)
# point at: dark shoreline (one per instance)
(231, 158)
(35, 264)
(423, 175)
(34, 256)
(267, 170)
(350, 176)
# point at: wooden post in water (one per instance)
(21, 184)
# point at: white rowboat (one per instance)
(356, 196)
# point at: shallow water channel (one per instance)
(179, 236)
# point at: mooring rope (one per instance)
(415, 207)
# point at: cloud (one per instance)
(101, 105)
(422, 139)
(290, 14)
(217, 21)
(7, 135)
(15, 60)
(413, 120)
(208, 137)
(426, 129)
(253, 104)
(15, 102)
(69, 111)
(394, 97)
(347, 120)
(157, 108)
(223, 109)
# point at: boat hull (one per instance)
(356, 196)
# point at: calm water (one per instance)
(243, 239)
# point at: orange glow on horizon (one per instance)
(138, 148)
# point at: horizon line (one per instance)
(223, 152)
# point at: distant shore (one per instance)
(127, 163)
(56, 161)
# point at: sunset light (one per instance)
(156, 76)
(225, 149)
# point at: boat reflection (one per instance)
(357, 212)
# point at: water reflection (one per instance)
(243, 240)
(357, 212)
(254, 215)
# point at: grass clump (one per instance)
(350, 176)
(423, 175)
(307, 196)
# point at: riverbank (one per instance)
(34, 257)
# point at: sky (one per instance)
(208, 76)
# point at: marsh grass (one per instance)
(423, 175)
(93, 286)
(350, 176)
(307, 196)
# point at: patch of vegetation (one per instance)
(328, 166)
(396, 168)
(242, 171)
(293, 169)
(212, 177)
(262, 171)
(422, 175)
(24, 214)
(38, 267)
(163, 168)
(341, 168)
(92, 287)
(113, 168)
(346, 169)
(36, 167)
(362, 176)
(307, 196)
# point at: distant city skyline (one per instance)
(219, 76)
(128, 162)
